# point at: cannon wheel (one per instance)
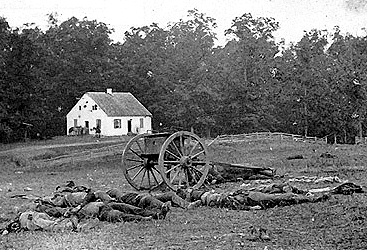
(183, 161)
(140, 170)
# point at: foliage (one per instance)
(313, 87)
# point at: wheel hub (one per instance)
(149, 163)
(185, 161)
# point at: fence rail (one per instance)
(267, 136)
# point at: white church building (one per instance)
(114, 113)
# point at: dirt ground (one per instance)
(338, 223)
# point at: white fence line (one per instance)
(266, 135)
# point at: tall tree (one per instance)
(191, 43)
(5, 128)
(309, 81)
(143, 70)
(347, 62)
(75, 61)
(250, 58)
(21, 58)
(159, 65)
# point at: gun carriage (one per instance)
(179, 160)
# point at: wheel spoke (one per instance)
(138, 173)
(141, 150)
(194, 175)
(135, 153)
(142, 178)
(182, 145)
(171, 162)
(193, 148)
(175, 167)
(187, 177)
(148, 177)
(135, 160)
(174, 176)
(172, 154)
(198, 172)
(153, 167)
(179, 182)
(178, 151)
(133, 167)
(155, 178)
(197, 154)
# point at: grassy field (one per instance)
(338, 223)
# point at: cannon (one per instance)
(179, 160)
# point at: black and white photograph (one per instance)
(183, 124)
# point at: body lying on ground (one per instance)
(266, 196)
(72, 204)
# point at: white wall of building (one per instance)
(147, 124)
(86, 111)
(135, 125)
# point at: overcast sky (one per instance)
(294, 16)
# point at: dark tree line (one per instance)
(314, 87)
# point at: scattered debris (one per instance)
(320, 190)
(347, 188)
(328, 155)
(259, 234)
(315, 179)
(330, 179)
(29, 197)
(295, 157)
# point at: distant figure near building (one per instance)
(98, 132)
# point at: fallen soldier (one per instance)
(266, 196)
(40, 218)
(72, 195)
(151, 201)
(73, 204)
(220, 172)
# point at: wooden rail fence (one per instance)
(267, 136)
